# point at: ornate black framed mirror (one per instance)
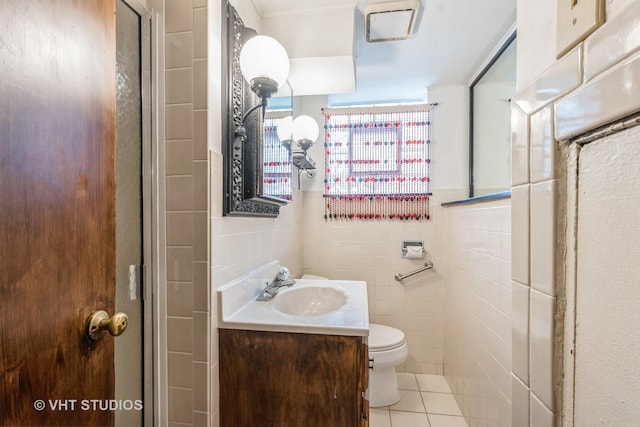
(242, 161)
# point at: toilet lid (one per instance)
(382, 337)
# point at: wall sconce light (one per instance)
(285, 131)
(303, 131)
(264, 63)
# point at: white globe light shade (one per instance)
(305, 128)
(285, 129)
(263, 56)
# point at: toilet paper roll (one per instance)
(414, 252)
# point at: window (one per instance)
(377, 163)
(276, 159)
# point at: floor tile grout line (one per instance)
(389, 410)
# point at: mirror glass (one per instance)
(276, 164)
(490, 130)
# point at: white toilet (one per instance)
(387, 349)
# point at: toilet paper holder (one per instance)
(412, 249)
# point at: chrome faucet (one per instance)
(281, 280)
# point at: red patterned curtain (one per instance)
(377, 163)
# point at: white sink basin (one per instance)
(314, 306)
(310, 301)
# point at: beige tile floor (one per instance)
(425, 401)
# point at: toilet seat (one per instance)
(383, 338)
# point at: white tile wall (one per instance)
(544, 150)
(543, 236)
(370, 251)
(541, 416)
(477, 353)
(520, 332)
(520, 403)
(612, 43)
(520, 233)
(564, 76)
(541, 348)
(616, 92)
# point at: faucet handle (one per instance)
(283, 274)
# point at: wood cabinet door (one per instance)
(286, 379)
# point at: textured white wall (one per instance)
(607, 391)
(449, 138)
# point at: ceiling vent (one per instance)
(393, 20)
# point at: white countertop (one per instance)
(238, 308)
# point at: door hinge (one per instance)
(363, 397)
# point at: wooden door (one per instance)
(57, 209)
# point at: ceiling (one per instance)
(451, 41)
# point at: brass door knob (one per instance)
(100, 322)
